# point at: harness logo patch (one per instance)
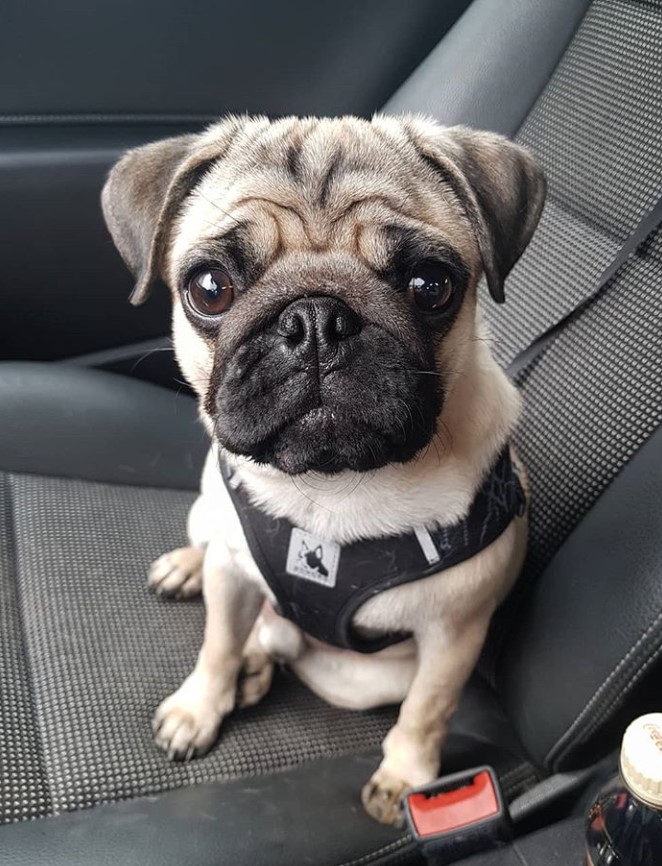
(312, 558)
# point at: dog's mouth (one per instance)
(322, 440)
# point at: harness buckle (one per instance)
(459, 815)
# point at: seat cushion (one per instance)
(70, 422)
(87, 652)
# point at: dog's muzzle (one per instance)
(319, 387)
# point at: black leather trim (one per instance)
(73, 422)
(559, 845)
(150, 361)
(64, 286)
(491, 67)
(595, 612)
(217, 56)
(308, 815)
(260, 822)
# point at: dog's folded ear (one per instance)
(499, 183)
(145, 189)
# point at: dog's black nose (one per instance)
(319, 322)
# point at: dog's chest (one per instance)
(320, 585)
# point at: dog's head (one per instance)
(324, 273)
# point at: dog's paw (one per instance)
(382, 798)
(187, 723)
(178, 574)
(254, 679)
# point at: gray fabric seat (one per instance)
(572, 656)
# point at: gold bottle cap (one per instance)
(641, 759)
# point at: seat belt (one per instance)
(644, 228)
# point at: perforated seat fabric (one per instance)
(596, 394)
(81, 670)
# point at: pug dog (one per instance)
(324, 279)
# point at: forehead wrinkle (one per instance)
(313, 222)
(229, 211)
(248, 199)
(373, 248)
(387, 204)
(355, 195)
(364, 245)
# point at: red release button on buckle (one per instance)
(449, 810)
(459, 815)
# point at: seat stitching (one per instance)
(366, 859)
(520, 856)
(567, 207)
(117, 482)
(628, 685)
(560, 748)
(632, 681)
(100, 118)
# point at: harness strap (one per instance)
(320, 585)
(651, 220)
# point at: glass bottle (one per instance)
(624, 824)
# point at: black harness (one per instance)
(320, 585)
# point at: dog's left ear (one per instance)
(145, 189)
(499, 183)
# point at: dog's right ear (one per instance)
(146, 188)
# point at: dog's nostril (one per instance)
(292, 327)
(343, 325)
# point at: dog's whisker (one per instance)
(149, 352)
(305, 495)
(199, 193)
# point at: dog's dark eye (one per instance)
(210, 293)
(431, 287)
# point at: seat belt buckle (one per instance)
(459, 815)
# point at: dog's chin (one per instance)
(322, 442)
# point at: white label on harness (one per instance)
(427, 546)
(312, 558)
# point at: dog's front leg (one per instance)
(187, 723)
(412, 747)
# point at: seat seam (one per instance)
(560, 748)
(552, 72)
(18, 473)
(627, 685)
(569, 208)
(519, 854)
(613, 701)
(107, 118)
(391, 847)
